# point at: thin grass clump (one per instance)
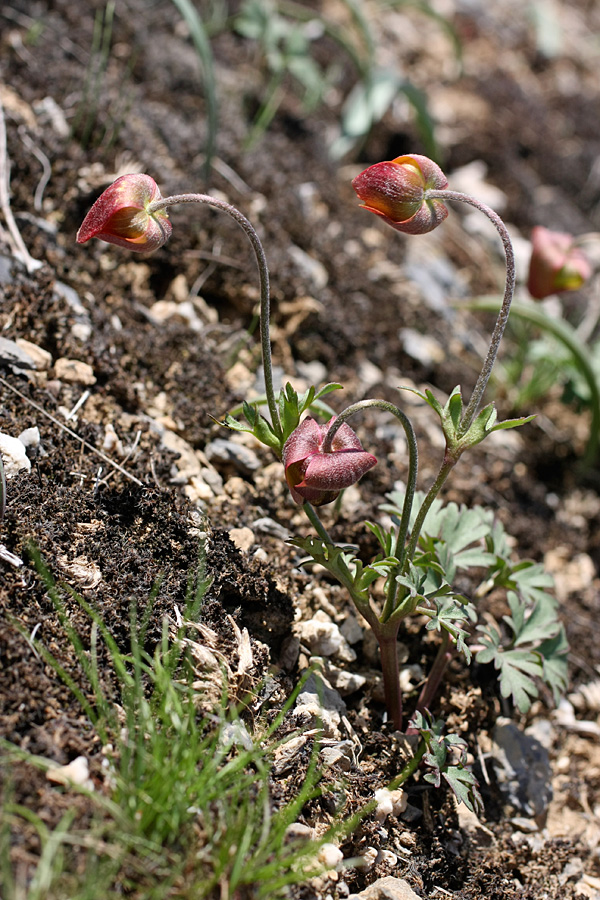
(184, 807)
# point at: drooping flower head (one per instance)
(556, 263)
(120, 216)
(397, 191)
(317, 476)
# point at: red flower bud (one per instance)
(319, 477)
(556, 263)
(120, 216)
(397, 191)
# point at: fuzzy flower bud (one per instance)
(397, 191)
(317, 476)
(120, 216)
(556, 263)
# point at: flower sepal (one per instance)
(291, 406)
(256, 425)
(451, 415)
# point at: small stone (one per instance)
(81, 570)
(329, 856)
(239, 378)
(325, 639)
(388, 888)
(340, 754)
(286, 754)
(343, 681)
(243, 538)
(389, 803)
(76, 772)
(352, 629)
(421, 347)
(14, 455)
(298, 832)
(42, 360)
(74, 371)
(13, 355)
(290, 649)
(266, 525)
(318, 704)
(112, 443)
(309, 267)
(229, 454)
(368, 859)
(30, 437)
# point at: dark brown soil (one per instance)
(116, 534)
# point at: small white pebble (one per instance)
(14, 456)
(75, 772)
(329, 856)
(369, 858)
(389, 803)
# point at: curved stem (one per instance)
(568, 336)
(413, 455)
(411, 486)
(263, 272)
(480, 386)
(445, 469)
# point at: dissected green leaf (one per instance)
(451, 612)
(345, 566)
(465, 787)
(554, 654)
(446, 757)
(517, 668)
(539, 624)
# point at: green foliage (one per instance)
(201, 41)
(345, 566)
(89, 126)
(533, 646)
(446, 757)
(537, 651)
(457, 439)
(530, 648)
(189, 800)
(287, 34)
(559, 355)
(291, 406)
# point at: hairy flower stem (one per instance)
(445, 469)
(413, 457)
(316, 522)
(263, 272)
(509, 289)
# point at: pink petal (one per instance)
(338, 470)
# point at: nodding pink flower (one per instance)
(120, 216)
(317, 476)
(397, 191)
(556, 263)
